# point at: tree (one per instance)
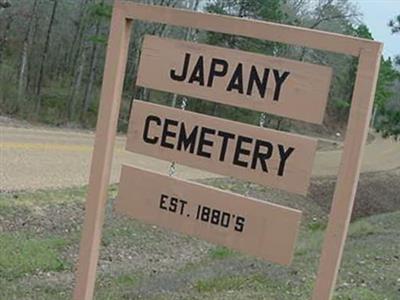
(267, 10)
(389, 123)
(386, 78)
(5, 4)
(395, 27)
(25, 49)
(52, 56)
(43, 58)
(394, 24)
(8, 21)
(76, 58)
(98, 13)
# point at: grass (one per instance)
(21, 254)
(220, 252)
(363, 228)
(115, 287)
(40, 234)
(360, 293)
(227, 283)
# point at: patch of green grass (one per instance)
(45, 197)
(220, 252)
(21, 254)
(115, 287)
(41, 197)
(369, 269)
(316, 225)
(362, 228)
(358, 293)
(252, 285)
(17, 290)
(219, 284)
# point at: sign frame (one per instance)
(124, 13)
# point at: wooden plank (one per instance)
(251, 226)
(268, 84)
(346, 186)
(264, 156)
(287, 34)
(114, 72)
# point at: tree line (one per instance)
(52, 58)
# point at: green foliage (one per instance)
(220, 253)
(342, 104)
(369, 270)
(20, 255)
(98, 39)
(100, 10)
(80, 30)
(362, 31)
(387, 76)
(389, 120)
(394, 24)
(363, 293)
(267, 10)
(362, 228)
(115, 286)
(256, 282)
(389, 125)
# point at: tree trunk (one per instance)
(31, 71)
(74, 55)
(24, 56)
(4, 38)
(92, 75)
(372, 122)
(44, 56)
(75, 89)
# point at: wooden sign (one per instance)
(268, 84)
(301, 94)
(251, 226)
(260, 155)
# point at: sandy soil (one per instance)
(40, 158)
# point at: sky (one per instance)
(376, 15)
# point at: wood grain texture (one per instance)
(269, 231)
(298, 165)
(302, 95)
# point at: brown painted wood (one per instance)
(255, 227)
(286, 34)
(102, 154)
(297, 170)
(368, 51)
(346, 186)
(302, 95)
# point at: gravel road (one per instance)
(36, 158)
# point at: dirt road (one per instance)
(32, 158)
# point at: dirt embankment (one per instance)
(377, 193)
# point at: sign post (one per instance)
(283, 160)
(106, 130)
